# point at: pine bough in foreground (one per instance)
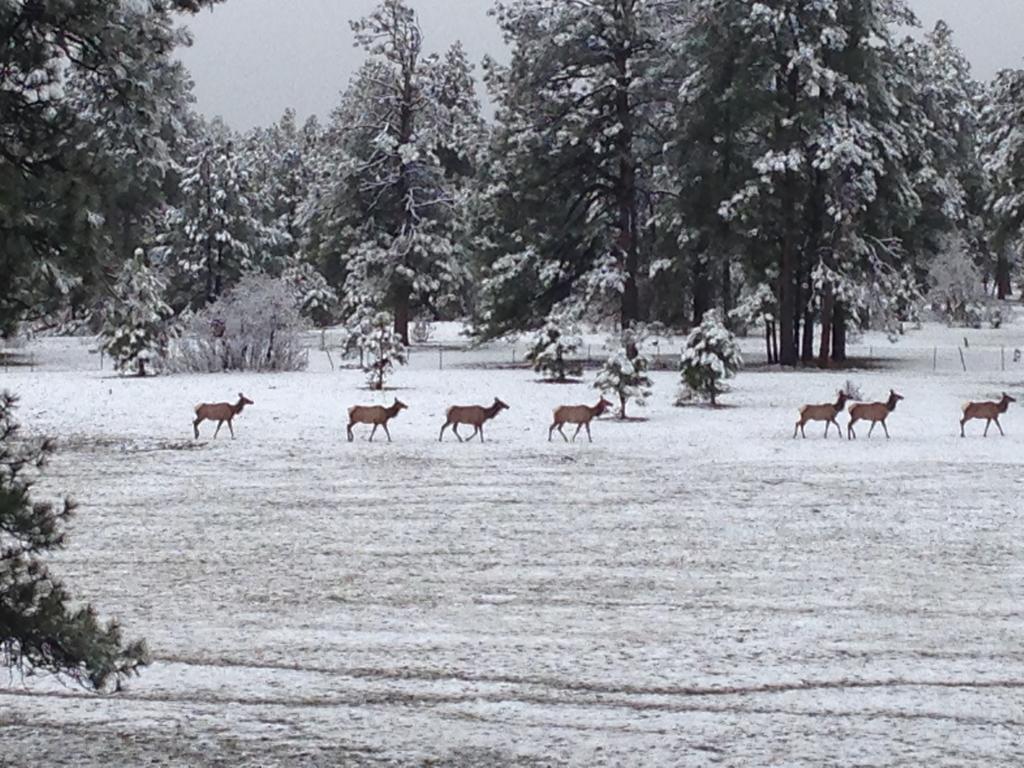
(710, 356)
(39, 630)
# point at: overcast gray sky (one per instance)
(254, 58)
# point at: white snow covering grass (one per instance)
(697, 588)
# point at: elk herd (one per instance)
(581, 415)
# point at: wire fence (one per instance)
(64, 354)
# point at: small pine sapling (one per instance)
(551, 351)
(625, 373)
(380, 349)
(137, 326)
(710, 355)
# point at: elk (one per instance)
(873, 412)
(580, 415)
(219, 412)
(377, 415)
(826, 412)
(471, 414)
(986, 410)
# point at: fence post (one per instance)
(963, 362)
(935, 358)
(440, 358)
(101, 358)
(1002, 358)
(323, 339)
(588, 353)
(513, 354)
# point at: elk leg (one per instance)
(962, 427)
(839, 430)
(562, 433)
(796, 429)
(872, 429)
(385, 425)
(455, 429)
(219, 425)
(587, 425)
(1000, 427)
(578, 428)
(481, 430)
(195, 427)
(231, 429)
(988, 423)
(850, 434)
(886, 429)
(475, 430)
(827, 425)
(443, 428)
(348, 429)
(372, 431)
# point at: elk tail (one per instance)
(965, 406)
(198, 406)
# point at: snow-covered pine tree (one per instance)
(1003, 151)
(552, 353)
(710, 355)
(215, 235)
(759, 306)
(372, 336)
(825, 143)
(391, 221)
(42, 628)
(569, 181)
(707, 159)
(91, 101)
(624, 373)
(137, 323)
(938, 96)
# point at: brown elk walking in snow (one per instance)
(826, 412)
(986, 410)
(219, 412)
(471, 414)
(580, 415)
(377, 415)
(873, 412)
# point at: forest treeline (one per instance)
(811, 166)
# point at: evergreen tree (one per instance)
(137, 325)
(215, 235)
(41, 628)
(625, 371)
(1003, 151)
(391, 222)
(551, 353)
(570, 186)
(380, 348)
(88, 103)
(710, 355)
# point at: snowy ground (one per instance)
(693, 589)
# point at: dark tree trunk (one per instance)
(807, 345)
(825, 350)
(838, 333)
(402, 300)
(701, 290)
(1003, 288)
(726, 287)
(626, 191)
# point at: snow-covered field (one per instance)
(696, 588)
